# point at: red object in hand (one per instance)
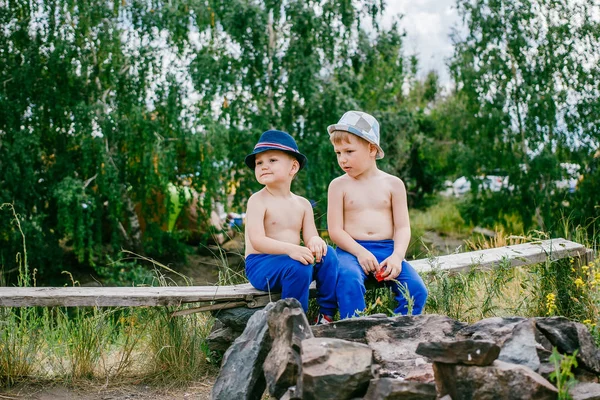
(379, 275)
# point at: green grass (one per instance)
(443, 217)
(150, 345)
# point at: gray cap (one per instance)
(360, 124)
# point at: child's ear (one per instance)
(295, 167)
(372, 150)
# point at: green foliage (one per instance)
(20, 341)
(86, 335)
(104, 104)
(177, 347)
(527, 102)
(563, 374)
(443, 217)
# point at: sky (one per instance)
(428, 24)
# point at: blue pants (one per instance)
(280, 273)
(351, 281)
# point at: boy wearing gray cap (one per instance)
(367, 217)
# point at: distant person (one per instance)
(275, 218)
(367, 217)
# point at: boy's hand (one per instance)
(367, 261)
(392, 266)
(318, 247)
(302, 254)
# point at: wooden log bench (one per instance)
(244, 295)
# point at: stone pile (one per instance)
(404, 357)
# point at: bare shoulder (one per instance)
(339, 183)
(302, 203)
(256, 199)
(393, 181)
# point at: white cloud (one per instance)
(428, 24)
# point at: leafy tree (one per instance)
(527, 75)
(102, 105)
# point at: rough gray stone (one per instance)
(585, 391)
(494, 329)
(335, 369)
(221, 337)
(392, 389)
(395, 343)
(288, 327)
(235, 318)
(521, 346)
(241, 375)
(498, 381)
(353, 329)
(568, 336)
(468, 352)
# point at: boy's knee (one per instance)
(300, 272)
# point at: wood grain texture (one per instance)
(517, 255)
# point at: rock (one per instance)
(235, 318)
(468, 352)
(585, 391)
(241, 374)
(291, 394)
(335, 369)
(389, 388)
(394, 340)
(220, 338)
(353, 329)
(521, 346)
(494, 329)
(500, 380)
(395, 343)
(288, 327)
(568, 336)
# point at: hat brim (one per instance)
(350, 129)
(250, 159)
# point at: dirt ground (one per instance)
(94, 391)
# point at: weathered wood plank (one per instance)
(123, 296)
(518, 255)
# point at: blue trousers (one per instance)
(351, 281)
(280, 273)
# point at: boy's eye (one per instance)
(258, 162)
(338, 153)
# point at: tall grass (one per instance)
(150, 344)
(76, 344)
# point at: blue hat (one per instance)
(275, 140)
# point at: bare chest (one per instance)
(288, 216)
(367, 198)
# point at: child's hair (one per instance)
(338, 137)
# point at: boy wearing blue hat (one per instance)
(367, 217)
(275, 218)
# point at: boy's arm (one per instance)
(255, 229)
(310, 235)
(401, 221)
(335, 226)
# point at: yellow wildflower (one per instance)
(579, 282)
(551, 303)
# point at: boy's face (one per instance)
(354, 155)
(274, 166)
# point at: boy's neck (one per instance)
(369, 172)
(283, 190)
